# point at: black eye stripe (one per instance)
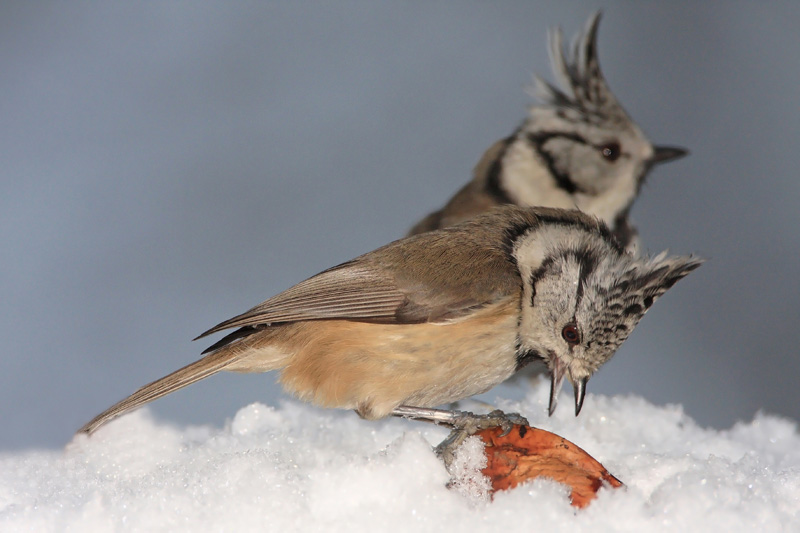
(543, 137)
(613, 147)
(537, 141)
(564, 180)
(610, 151)
(588, 262)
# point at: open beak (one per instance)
(662, 154)
(580, 390)
(557, 381)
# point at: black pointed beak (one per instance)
(662, 154)
(580, 392)
(556, 381)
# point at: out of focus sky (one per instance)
(165, 166)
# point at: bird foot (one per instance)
(466, 424)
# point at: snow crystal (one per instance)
(298, 468)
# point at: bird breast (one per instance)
(374, 368)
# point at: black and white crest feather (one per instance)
(636, 285)
(584, 88)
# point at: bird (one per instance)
(431, 319)
(578, 149)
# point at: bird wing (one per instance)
(431, 277)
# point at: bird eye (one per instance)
(610, 151)
(571, 334)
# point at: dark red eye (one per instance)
(610, 151)
(571, 334)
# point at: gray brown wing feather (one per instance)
(425, 278)
(346, 292)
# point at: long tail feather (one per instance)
(207, 366)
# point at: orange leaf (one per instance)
(527, 453)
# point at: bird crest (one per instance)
(585, 92)
(627, 289)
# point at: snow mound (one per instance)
(298, 468)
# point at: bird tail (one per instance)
(207, 366)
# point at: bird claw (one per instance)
(466, 424)
(509, 420)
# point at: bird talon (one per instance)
(446, 450)
(506, 429)
(466, 424)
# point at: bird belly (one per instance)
(373, 368)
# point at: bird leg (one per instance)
(464, 424)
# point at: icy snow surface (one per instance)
(298, 468)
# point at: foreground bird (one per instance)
(437, 317)
(580, 149)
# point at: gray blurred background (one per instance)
(164, 166)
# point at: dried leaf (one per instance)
(527, 453)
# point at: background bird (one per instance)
(580, 149)
(434, 318)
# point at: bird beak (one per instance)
(580, 390)
(556, 381)
(662, 154)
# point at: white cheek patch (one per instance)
(539, 323)
(531, 249)
(528, 182)
(606, 206)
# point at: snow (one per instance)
(297, 468)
